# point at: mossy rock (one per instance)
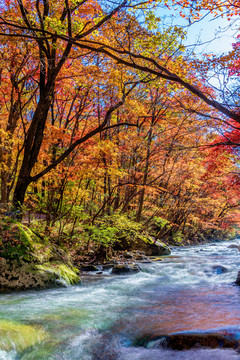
(150, 247)
(22, 276)
(62, 272)
(16, 336)
(28, 261)
(144, 243)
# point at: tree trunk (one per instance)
(145, 175)
(31, 150)
(20, 191)
(4, 187)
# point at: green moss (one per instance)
(178, 237)
(146, 239)
(18, 241)
(160, 221)
(162, 244)
(32, 259)
(15, 336)
(63, 272)
(25, 234)
(37, 249)
(11, 245)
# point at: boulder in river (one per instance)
(219, 269)
(89, 267)
(237, 282)
(233, 246)
(186, 341)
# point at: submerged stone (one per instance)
(219, 269)
(16, 336)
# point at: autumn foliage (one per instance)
(102, 115)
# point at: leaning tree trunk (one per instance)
(32, 147)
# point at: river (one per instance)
(102, 318)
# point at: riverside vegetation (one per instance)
(36, 256)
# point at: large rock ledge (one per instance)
(186, 341)
(151, 247)
(144, 243)
(29, 262)
(22, 276)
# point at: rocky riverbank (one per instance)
(31, 261)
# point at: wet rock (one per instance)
(89, 268)
(219, 269)
(122, 269)
(158, 249)
(186, 341)
(237, 282)
(19, 336)
(233, 246)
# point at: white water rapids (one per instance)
(102, 318)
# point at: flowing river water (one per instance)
(102, 318)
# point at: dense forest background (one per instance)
(107, 121)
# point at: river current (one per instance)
(102, 318)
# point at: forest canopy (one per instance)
(104, 112)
